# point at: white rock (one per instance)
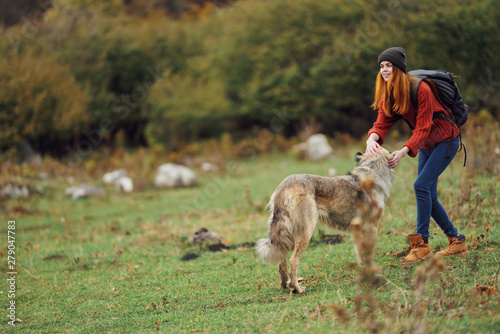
(209, 167)
(119, 178)
(14, 191)
(112, 177)
(172, 176)
(79, 193)
(318, 148)
(83, 191)
(332, 172)
(124, 184)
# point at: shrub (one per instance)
(40, 102)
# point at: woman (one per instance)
(431, 138)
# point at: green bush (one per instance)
(462, 38)
(40, 103)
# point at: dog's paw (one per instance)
(296, 288)
(288, 283)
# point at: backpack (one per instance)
(446, 91)
(442, 83)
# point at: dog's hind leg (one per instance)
(293, 283)
(304, 223)
(283, 273)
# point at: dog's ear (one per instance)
(358, 156)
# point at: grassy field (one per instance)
(115, 264)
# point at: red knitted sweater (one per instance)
(427, 132)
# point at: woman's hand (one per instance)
(372, 146)
(397, 156)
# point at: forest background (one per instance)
(77, 76)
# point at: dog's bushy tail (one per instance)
(276, 248)
(269, 252)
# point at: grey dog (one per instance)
(303, 199)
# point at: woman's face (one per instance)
(385, 69)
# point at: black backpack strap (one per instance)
(441, 115)
(462, 146)
(414, 98)
(407, 122)
(414, 93)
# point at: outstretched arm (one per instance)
(397, 156)
(376, 135)
(372, 145)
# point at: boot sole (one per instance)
(464, 253)
(420, 260)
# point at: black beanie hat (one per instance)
(396, 56)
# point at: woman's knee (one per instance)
(421, 186)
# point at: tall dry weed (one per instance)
(366, 305)
(482, 140)
(308, 127)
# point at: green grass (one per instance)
(113, 264)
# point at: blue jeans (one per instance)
(431, 163)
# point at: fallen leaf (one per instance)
(489, 248)
(479, 288)
(314, 280)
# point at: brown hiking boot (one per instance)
(418, 250)
(456, 246)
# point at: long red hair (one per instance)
(394, 94)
